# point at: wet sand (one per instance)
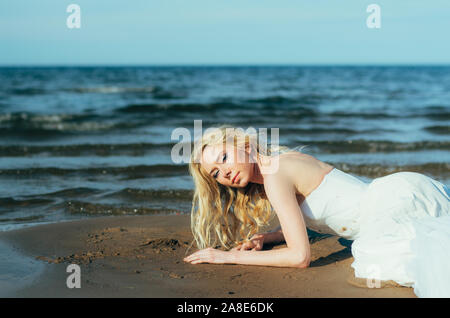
(142, 256)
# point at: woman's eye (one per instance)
(224, 158)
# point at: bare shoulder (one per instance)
(304, 172)
(300, 162)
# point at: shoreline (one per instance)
(142, 256)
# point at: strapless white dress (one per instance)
(399, 224)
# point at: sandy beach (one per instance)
(142, 256)
(103, 110)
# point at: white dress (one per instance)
(399, 224)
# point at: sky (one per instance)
(209, 32)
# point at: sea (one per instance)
(83, 142)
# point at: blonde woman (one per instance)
(399, 224)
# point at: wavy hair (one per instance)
(226, 215)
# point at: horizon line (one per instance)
(223, 65)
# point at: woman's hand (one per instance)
(209, 255)
(255, 243)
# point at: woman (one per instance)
(400, 223)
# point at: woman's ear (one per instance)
(249, 148)
(251, 151)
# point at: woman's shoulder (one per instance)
(302, 170)
(298, 159)
(285, 165)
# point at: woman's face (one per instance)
(228, 165)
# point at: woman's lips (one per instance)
(234, 179)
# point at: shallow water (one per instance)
(16, 270)
(81, 142)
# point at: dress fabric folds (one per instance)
(399, 224)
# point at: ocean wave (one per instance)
(80, 150)
(114, 89)
(288, 109)
(150, 194)
(372, 146)
(87, 208)
(308, 99)
(24, 117)
(436, 112)
(366, 115)
(177, 107)
(438, 130)
(329, 130)
(155, 92)
(28, 91)
(440, 169)
(72, 192)
(155, 201)
(127, 173)
(141, 149)
(23, 219)
(9, 202)
(33, 126)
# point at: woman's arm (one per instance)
(282, 257)
(256, 242)
(281, 193)
(274, 237)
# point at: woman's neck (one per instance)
(257, 176)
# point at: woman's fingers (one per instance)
(257, 237)
(237, 248)
(248, 245)
(254, 244)
(196, 261)
(194, 256)
(208, 255)
(193, 259)
(257, 247)
(189, 258)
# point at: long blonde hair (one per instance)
(226, 215)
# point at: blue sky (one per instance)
(164, 32)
